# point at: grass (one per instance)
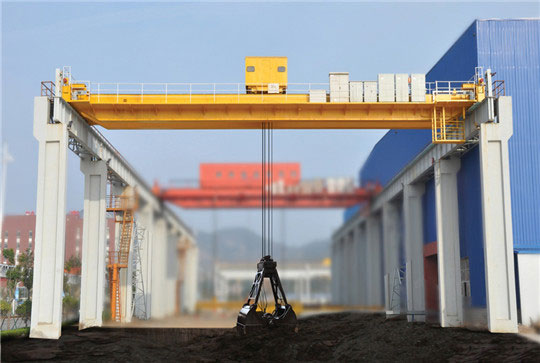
(15, 333)
(25, 332)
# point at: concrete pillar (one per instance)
(333, 268)
(191, 283)
(342, 277)
(146, 219)
(391, 232)
(375, 261)
(414, 249)
(360, 272)
(350, 267)
(93, 243)
(46, 321)
(159, 261)
(448, 255)
(171, 272)
(497, 220)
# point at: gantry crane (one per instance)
(266, 101)
(123, 206)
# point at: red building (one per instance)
(245, 175)
(18, 233)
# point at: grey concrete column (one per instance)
(414, 249)
(360, 278)
(146, 219)
(190, 292)
(46, 321)
(375, 261)
(334, 288)
(350, 257)
(448, 255)
(93, 243)
(342, 275)
(159, 261)
(497, 221)
(391, 231)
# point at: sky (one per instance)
(207, 42)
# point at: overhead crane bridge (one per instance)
(393, 102)
(238, 185)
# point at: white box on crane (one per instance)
(418, 87)
(386, 87)
(356, 89)
(402, 87)
(317, 95)
(370, 91)
(339, 86)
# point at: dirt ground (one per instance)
(330, 337)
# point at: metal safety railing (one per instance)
(499, 88)
(47, 89)
(217, 92)
(450, 87)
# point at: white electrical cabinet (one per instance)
(386, 87)
(402, 87)
(317, 95)
(339, 86)
(370, 91)
(418, 87)
(356, 91)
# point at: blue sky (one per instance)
(186, 42)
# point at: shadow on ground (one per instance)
(332, 337)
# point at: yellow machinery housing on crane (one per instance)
(266, 74)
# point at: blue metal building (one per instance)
(510, 48)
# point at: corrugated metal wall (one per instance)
(511, 48)
(471, 236)
(392, 153)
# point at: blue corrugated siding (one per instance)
(399, 147)
(429, 220)
(511, 48)
(459, 62)
(392, 153)
(349, 212)
(471, 236)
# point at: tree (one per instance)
(26, 263)
(22, 272)
(73, 262)
(9, 255)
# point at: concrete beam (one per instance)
(46, 321)
(414, 246)
(448, 254)
(93, 243)
(497, 221)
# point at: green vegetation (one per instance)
(15, 333)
